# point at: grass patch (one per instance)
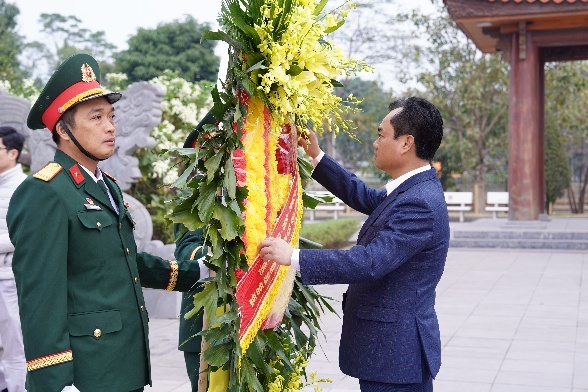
(331, 234)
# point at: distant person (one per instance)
(390, 339)
(11, 176)
(77, 269)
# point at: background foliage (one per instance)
(176, 46)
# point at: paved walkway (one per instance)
(511, 321)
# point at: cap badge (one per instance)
(88, 74)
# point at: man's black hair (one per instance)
(69, 119)
(421, 119)
(11, 139)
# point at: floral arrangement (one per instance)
(244, 180)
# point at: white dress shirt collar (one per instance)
(395, 183)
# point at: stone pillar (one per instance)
(525, 151)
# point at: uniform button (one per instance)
(136, 279)
(120, 225)
(142, 308)
(97, 333)
(99, 224)
(128, 252)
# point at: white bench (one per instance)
(497, 202)
(335, 206)
(459, 201)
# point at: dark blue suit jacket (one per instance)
(389, 318)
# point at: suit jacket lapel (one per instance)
(409, 183)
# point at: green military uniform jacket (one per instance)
(79, 277)
(189, 247)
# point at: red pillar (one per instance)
(525, 150)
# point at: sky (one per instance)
(120, 19)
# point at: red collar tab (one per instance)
(76, 174)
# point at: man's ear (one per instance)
(13, 154)
(408, 143)
(60, 131)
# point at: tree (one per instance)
(175, 46)
(10, 42)
(566, 96)
(66, 38)
(557, 168)
(471, 91)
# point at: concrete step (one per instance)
(520, 235)
(505, 243)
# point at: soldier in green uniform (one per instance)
(189, 246)
(77, 269)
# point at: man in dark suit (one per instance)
(390, 339)
(78, 272)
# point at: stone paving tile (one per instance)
(511, 321)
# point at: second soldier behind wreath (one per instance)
(77, 269)
(189, 245)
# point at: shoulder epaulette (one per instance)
(109, 176)
(48, 172)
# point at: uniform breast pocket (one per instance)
(97, 220)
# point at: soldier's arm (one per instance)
(181, 274)
(38, 227)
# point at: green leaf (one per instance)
(206, 201)
(319, 7)
(238, 17)
(230, 222)
(212, 164)
(294, 70)
(230, 180)
(274, 342)
(258, 65)
(311, 200)
(207, 299)
(183, 213)
(181, 181)
(254, 352)
(336, 83)
(249, 377)
(218, 355)
(340, 23)
(305, 243)
(222, 36)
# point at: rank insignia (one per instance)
(48, 172)
(76, 174)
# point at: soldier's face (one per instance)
(94, 127)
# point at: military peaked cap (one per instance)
(76, 80)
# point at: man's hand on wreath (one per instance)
(309, 142)
(275, 249)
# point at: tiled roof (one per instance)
(539, 1)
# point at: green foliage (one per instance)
(471, 91)
(10, 43)
(332, 234)
(173, 46)
(566, 97)
(557, 168)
